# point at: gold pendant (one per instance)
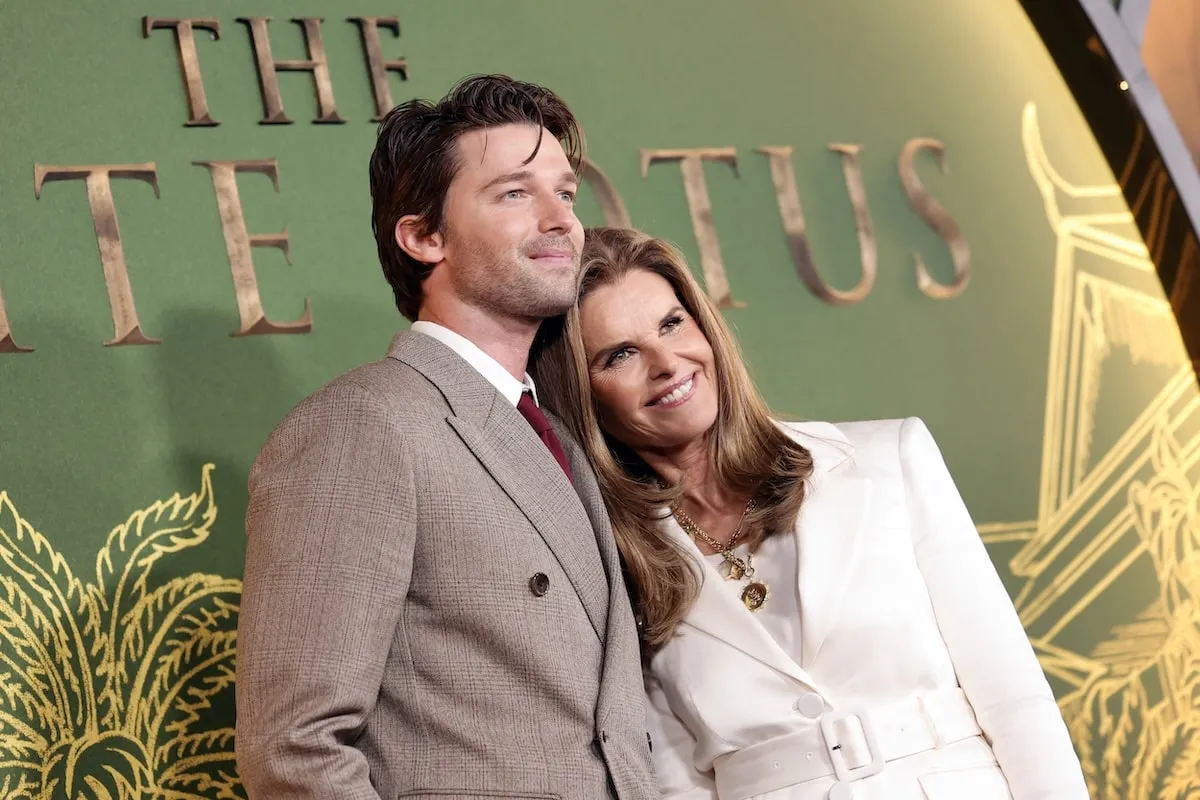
(734, 571)
(754, 596)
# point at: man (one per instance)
(433, 604)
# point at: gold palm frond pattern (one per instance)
(1117, 532)
(109, 687)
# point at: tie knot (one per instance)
(532, 414)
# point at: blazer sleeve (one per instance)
(672, 749)
(330, 535)
(992, 656)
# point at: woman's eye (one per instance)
(617, 357)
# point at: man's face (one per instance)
(511, 238)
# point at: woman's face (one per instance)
(650, 365)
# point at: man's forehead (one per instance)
(508, 148)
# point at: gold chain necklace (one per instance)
(754, 596)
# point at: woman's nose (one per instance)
(662, 362)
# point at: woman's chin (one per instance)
(681, 439)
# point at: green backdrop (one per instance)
(1055, 383)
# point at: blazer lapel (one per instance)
(589, 494)
(829, 532)
(718, 613)
(518, 461)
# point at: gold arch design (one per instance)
(1117, 524)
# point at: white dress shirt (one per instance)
(484, 364)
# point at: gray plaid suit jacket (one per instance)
(430, 610)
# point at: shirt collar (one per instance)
(485, 365)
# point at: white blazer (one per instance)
(917, 680)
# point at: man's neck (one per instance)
(505, 340)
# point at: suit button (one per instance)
(539, 584)
(810, 705)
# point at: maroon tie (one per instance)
(541, 426)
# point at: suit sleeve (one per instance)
(672, 751)
(330, 534)
(992, 656)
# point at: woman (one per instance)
(820, 616)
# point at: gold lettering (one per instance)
(7, 345)
(377, 65)
(716, 283)
(189, 61)
(791, 212)
(937, 218)
(238, 244)
(126, 328)
(268, 80)
(611, 204)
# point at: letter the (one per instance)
(377, 65)
(189, 61)
(239, 242)
(7, 345)
(268, 80)
(611, 204)
(126, 328)
(691, 164)
(795, 229)
(937, 218)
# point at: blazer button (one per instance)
(539, 584)
(810, 705)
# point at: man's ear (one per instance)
(428, 248)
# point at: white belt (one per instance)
(851, 744)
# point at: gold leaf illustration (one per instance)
(1123, 739)
(123, 568)
(32, 700)
(1170, 765)
(17, 786)
(193, 661)
(110, 766)
(204, 764)
(56, 620)
(162, 653)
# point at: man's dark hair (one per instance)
(416, 157)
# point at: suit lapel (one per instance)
(829, 533)
(588, 491)
(518, 461)
(720, 614)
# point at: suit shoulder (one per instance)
(870, 440)
(857, 433)
(386, 383)
(382, 393)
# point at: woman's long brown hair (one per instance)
(750, 454)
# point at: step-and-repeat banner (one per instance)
(898, 205)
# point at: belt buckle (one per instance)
(844, 773)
